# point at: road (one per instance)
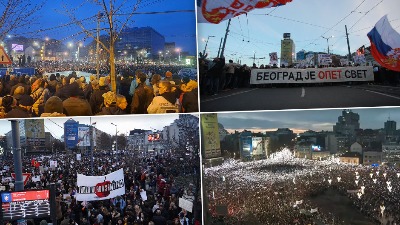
(342, 96)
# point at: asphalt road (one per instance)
(244, 99)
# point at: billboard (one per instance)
(153, 137)
(25, 205)
(17, 47)
(286, 35)
(34, 128)
(210, 134)
(246, 149)
(324, 59)
(315, 148)
(83, 136)
(71, 133)
(257, 145)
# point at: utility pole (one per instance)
(348, 44)
(226, 35)
(219, 49)
(19, 181)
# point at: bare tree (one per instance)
(17, 14)
(117, 18)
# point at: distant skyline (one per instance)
(103, 123)
(178, 27)
(300, 121)
(260, 31)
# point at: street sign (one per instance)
(4, 59)
(25, 177)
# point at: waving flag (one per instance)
(385, 44)
(215, 11)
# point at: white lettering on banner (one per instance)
(92, 188)
(311, 75)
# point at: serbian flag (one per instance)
(216, 11)
(385, 44)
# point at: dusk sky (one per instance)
(176, 27)
(316, 120)
(261, 30)
(124, 123)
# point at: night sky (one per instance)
(176, 27)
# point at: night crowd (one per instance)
(164, 178)
(141, 89)
(256, 193)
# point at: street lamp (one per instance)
(116, 138)
(179, 53)
(327, 41)
(205, 48)
(77, 53)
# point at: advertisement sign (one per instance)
(94, 188)
(153, 137)
(25, 204)
(247, 148)
(210, 132)
(315, 148)
(311, 75)
(83, 136)
(257, 145)
(34, 128)
(71, 133)
(17, 47)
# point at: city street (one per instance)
(278, 98)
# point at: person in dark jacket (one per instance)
(21, 82)
(142, 97)
(23, 109)
(71, 88)
(96, 99)
(215, 72)
(158, 219)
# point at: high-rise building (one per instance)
(287, 50)
(390, 127)
(140, 42)
(347, 123)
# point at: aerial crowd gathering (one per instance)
(141, 89)
(285, 190)
(164, 179)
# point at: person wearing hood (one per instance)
(53, 107)
(142, 97)
(166, 102)
(189, 96)
(110, 105)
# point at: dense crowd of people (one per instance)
(140, 90)
(217, 75)
(285, 190)
(164, 178)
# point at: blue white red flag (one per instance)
(385, 44)
(216, 11)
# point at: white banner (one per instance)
(314, 210)
(93, 188)
(185, 204)
(53, 163)
(78, 157)
(311, 75)
(324, 59)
